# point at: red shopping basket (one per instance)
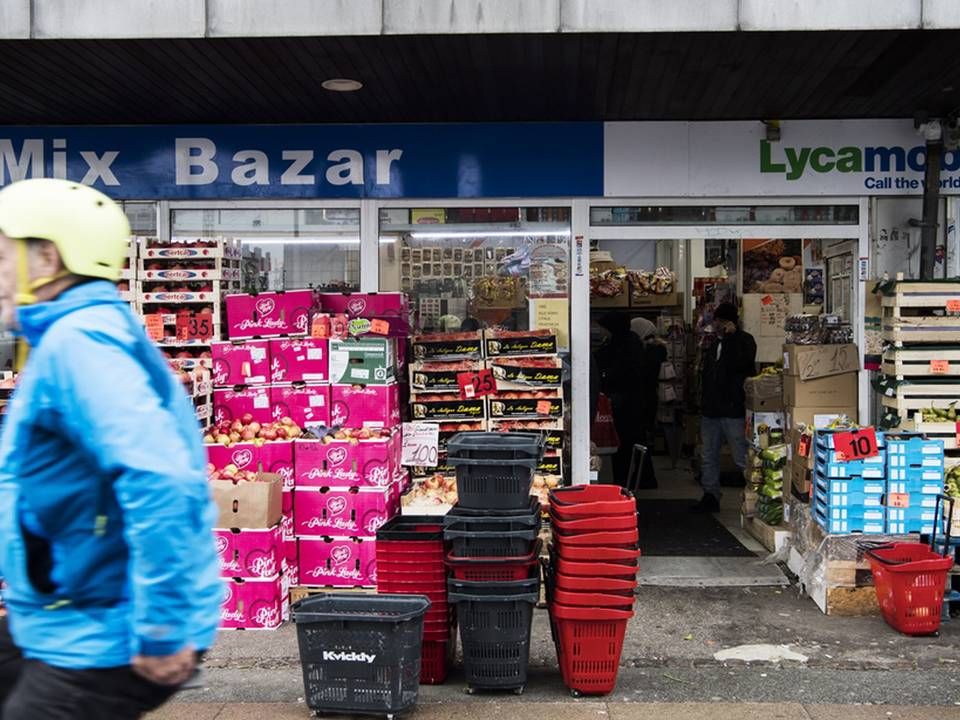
(595, 569)
(617, 539)
(578, 598)
(625, 556)
(579, 494)
(584, 502)
(579, 583)
(598, 523)
(910, 579)
(495, 569)
(589, 643)
(436, 657)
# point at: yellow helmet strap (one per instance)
(27, 287)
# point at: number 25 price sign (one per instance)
(855, 444)
(476, 384)
(420, 443)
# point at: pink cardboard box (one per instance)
(307, 405)
(250, 553)
(346, 463)
(286, 521)
(391, 307)
(243, 363)
(339, 562)
(254, 604)
(268, 314)
(234, 404)
(359, 406)
(344, 511)
(299, 360)
(271, 457)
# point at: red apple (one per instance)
(246, 418)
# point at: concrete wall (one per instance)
(255, 18)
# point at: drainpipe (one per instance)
(931, 198)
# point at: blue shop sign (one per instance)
(314, 161)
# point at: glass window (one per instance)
(725, 215)
(480, 267)
(284, 249)
(142, 217)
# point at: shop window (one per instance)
(501, 267)
(142, 217)
(725, 215)
(284, 249)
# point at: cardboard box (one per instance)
(273, 457)
(249, 505)
(754, 423)
(525, 343)
(527, 373)
(836, 391)
(299, 360)
(453, 346)
(662, 300)
(338, 562)
(389, 307)
(528, 406)
(764, 393)
(240, 363)
(250, 553)
(365, 406)
(344, 511)
(345, 463)
(235, 403)
(268, 314)
(362, 361)
(816, 417)
(800, 477)
(809, 362)
(254, 604)
(440, 376)
(447, 407)
(307, 405)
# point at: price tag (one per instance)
(476, 384)
(898, 500)
(766, 299)
(419, 444)
(379, 327)
(953, 306)
(856, 444)
(803, 449)
(956, 429)
(939, 367)
(154, 325)
(195, 327)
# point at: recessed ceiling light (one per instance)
(342, 85)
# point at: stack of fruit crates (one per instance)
(128, 274)
(848, 497)
(915, 477)
(182, 286)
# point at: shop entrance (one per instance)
(659, 273)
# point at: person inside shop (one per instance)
(621, 360)
(654, 355)
(106, 546)
(727, 363)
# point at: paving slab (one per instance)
(709, 572)
(714, 711)
(187, 711)
(882, 712)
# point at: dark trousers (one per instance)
(631, 431)
(33, 690)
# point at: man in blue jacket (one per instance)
(112, 576)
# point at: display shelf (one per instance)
(921, 362)
(911, 397)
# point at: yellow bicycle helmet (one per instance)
(89, 230)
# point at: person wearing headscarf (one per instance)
(621, 360)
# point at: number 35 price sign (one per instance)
(420, 442)
(856, 444)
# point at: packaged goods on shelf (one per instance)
(609, 286)
(507, 343)
(268, 314)
(309, 405)
(538, 404)
(299, 360)
(492, 291)
(817, 330)
(248, 504)
(337, 561)
(241, 363)
(440, 376)
(519, 373)
(446, 407)
(447, 346)
(254, 604)
(764, 429)
(348, 457)
(390, 308)
(365, 361)
(250, 553)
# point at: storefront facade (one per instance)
(417, 207)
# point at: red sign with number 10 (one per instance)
(855, 444)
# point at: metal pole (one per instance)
(931, 208)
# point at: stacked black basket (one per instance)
(493, 533)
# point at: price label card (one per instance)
(154, 325)
(419, 444)
(939, 367)
(956, 429)
(195, 327)
(856, 444)
(803, 449)
(476, 384)
(379, 327)
(766, 300)
(898, 500)
(953, 306)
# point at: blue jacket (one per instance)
(105, 509)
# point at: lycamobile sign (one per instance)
(796, 162)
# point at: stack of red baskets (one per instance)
(410, 561)
(591, 581)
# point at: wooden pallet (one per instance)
(946, 431)
(915, 362)
(911, 397)
(916, 313)
(299, 592)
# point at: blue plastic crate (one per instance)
(825, 438)
(917, 475)
(834, 456)
(923, 488)
(846, 486)
(840, 522)
(916, 461)
(914, 446)
(852, 469)
(902, 521)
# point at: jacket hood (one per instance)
(35, 320)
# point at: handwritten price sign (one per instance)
(476, 384)
(420, 443)
(856, 444)
(195, 327)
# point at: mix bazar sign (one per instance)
(633, 159)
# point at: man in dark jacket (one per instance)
(726, 364)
